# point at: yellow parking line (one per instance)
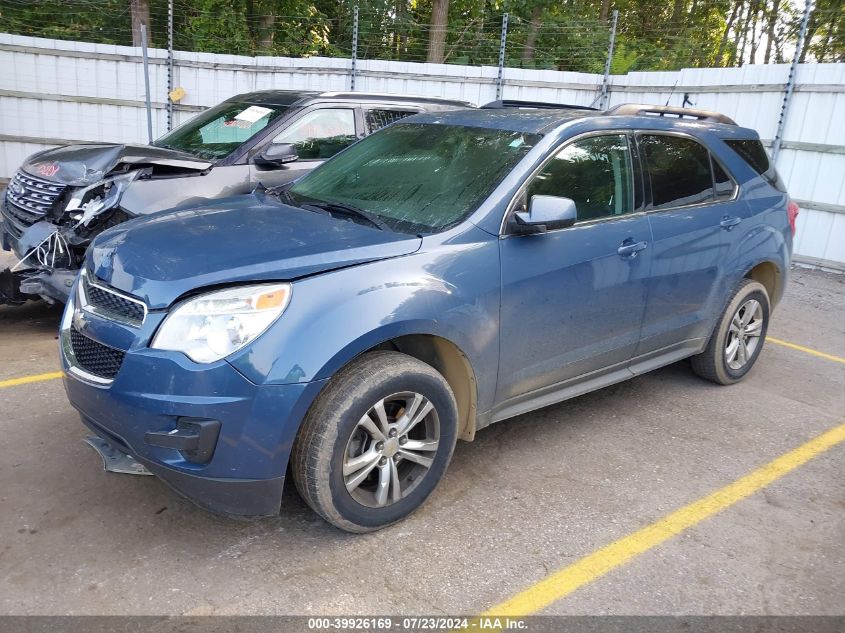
(563, 582)
(806, 350)
(25, 380)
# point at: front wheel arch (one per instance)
(439, 352)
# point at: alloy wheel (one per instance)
(744, 334)
(391, 449)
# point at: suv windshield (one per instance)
(219, 131)
(417, 178)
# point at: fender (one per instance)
(451, 292)
(761, 242)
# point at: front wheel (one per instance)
(738, 338)
(376, 441)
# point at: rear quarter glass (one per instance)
(753, 153)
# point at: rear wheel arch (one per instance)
(770, 276)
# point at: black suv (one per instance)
(62, 198)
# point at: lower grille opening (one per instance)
(95, 358)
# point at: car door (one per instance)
(573, 299)
(692, 214)
(317, 134)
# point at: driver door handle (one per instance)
(630, 248)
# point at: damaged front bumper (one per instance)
(17, 286)
(30, 278)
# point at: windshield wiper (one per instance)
(281, 192)
(348, 209)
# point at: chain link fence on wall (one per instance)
(589, 37)
(574, 36)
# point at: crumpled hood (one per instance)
(85, 164)
(244, 238)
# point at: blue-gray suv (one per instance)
(450, 271)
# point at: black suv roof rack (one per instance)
(634, 109)
(513, 103)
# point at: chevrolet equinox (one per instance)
(450, 271)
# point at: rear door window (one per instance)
(320, 134)
(679, 170)
(376, 118)
(722, 183)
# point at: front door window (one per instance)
(594, 172)
(320, 134)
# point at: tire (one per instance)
(722, 361)
(344, 435)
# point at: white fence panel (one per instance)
(53, 92)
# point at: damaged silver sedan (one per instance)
(62, 198)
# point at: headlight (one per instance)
(214, 325)
(99, 197)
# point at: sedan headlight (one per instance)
(212, 326)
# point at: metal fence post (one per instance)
(147, 83)
(605, 84)
(790, 81)
(354, 48)
(169, 64)
(500, 78)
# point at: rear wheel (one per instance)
(738, 338)
(376, 442)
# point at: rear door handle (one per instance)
(729, 222)
(630, 248)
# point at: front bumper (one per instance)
(51, 284)
(156, 392)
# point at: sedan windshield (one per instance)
(417, 178)
(219, 131)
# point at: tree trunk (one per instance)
(677, 10)
(727, 31)
(140, 10)
(812, 27)
(770, 31)
(533, 31)
(437, 33)
(754, 41)
(605, 10)
(742, 35)
(266, 32)
(821, 52)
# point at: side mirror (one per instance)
(545, 213)
(277, 154)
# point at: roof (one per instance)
(291, 97)
(274, 97)
(544, 118)
(535, 121)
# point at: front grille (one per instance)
(112, 304)
(95, 358)
(29, 199)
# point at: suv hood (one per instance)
(245, 238)
(85, 164)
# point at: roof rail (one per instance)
(513, 103)
(388, 95)
(634, 109)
